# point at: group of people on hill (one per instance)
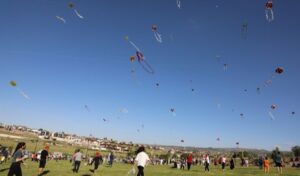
(140, 161)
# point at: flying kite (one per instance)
(242, 115)
(156, 34)
(61, 19)
(279, 70)
(244, 30)
(87, 108)
(273, 106)
(14, 84)
(172, 110)
(178, 4)
(72, 6)
(140, 57)
(218, 139)
(182, 141)
(269, 11)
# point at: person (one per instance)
(77, 160)
(189, 161)
(278, 162)
(266, 165)
(182, 164)
(5, 154)
(17, 159)
(43, 159)
(231, 164)
(141, 159)
(223, 162)
(206, 163)
(96, 160)
(111, 159)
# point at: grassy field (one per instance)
(63, 168)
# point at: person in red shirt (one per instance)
(189, 161)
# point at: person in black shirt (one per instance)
(43, 159)
(97, 160)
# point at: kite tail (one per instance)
(158, 37)
(146, 66)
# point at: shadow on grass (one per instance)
(5, 169)
(44, 173)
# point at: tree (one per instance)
(296, 151)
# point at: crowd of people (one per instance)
(140, 161)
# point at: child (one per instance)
(266, 166)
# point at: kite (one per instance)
(87, 108)
(72, 6)
(273, 106)
(178, 4)
(218, 139)
(172, 110)
(132, 59)
(269, 11)
(258, 90)
(124, 110)
(237, 144)
(14, 84)
(279, 70)
(242, 115)
(182, 141)
(156, 34)
(141, 59)
(61, 19)
(244, 30)
(225, 66)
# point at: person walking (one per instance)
(96, 160)
(43, 159)
(206, 163)
(17, 159)
(77, 160)
(189, 161)
(141, 159)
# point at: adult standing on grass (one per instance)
(278, 162)
(111, 159)
(223, 162)
(77, 160)
(141, 159)
(206, 163)
(17, 159)
(44, 156)
(231, 164)
(189, 161)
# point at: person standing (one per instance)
(278, 162)
(43, 159)
(189, 161)
(17, 159)
(206, 163)
(266, 165)
(96, 160)
(231, 164)
(141, 159)
(77, 160)
(111, 159)
(223, 162)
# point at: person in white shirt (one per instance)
(141, 159)
(223, 163)
(77, 160)
(206, 164)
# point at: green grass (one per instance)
(63, 168)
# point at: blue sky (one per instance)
(64, 67)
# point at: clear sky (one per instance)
(63, 67)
